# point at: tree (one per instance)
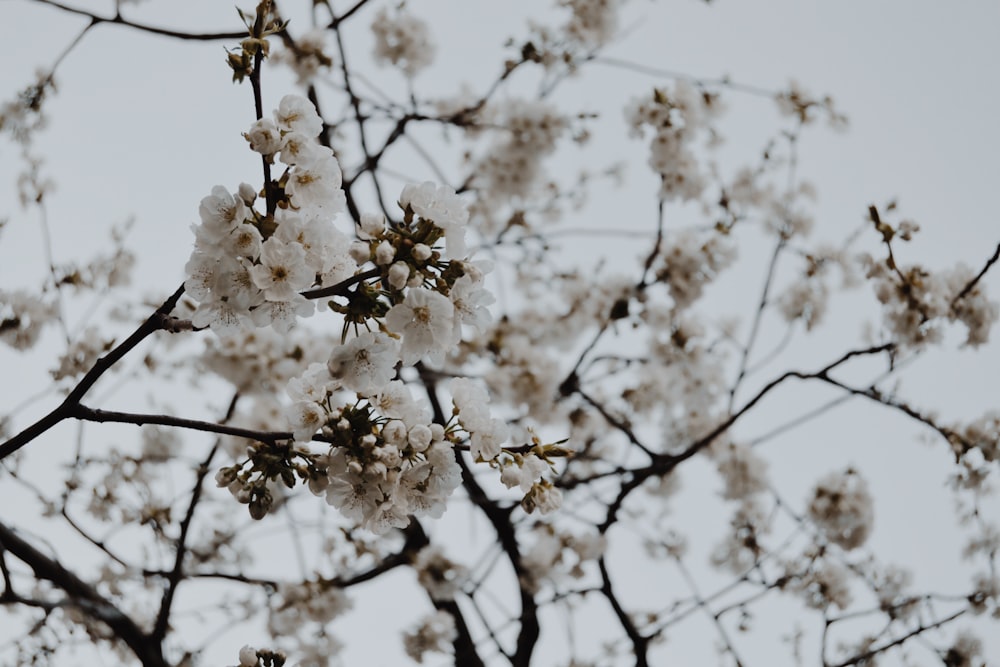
(395, 371)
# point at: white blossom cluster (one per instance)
(684, 382)
(917, 302)
(23, 317)
(741, 548)
(594, 22)
(248, 269)
(81, 354)
(689, 261)
(555, 556)
(842, 508)
(387, 459)
(984, 434)
(299, 614)
(743, 472)
(434, 634)
(441, 577)
(822, 583)
(675, 117)
(309, 57)
(511, 169)
(404, 40)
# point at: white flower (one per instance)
(243, 241)
(472, 402)
(470, 301)
(367, 363)
(395, 401)
(23, 316)
(221, 211)
(444, 208)
(282, 315)
(264, 137)
(300, 149)
(316, 187)
(282, 271)
(297, 114)
(419, 437)
(356, 497)
(372, 226)
(544, 497)
(313, 385)
(523, 472)
(421, 252)
(486, 442)
(304, 419)
(426, 321)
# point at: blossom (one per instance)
(444, 208)
(23, 316)
(366, 363)
(440, 577)
(487, 440)
(426, 321)
(282, 315)
(282, 271)
(395, 401)
(842, 508)
(315, 188)
(435, 633)
(220, 212)
(297, 114)
(523, 471)
(264, 137)
(403, 40)
(470, 300)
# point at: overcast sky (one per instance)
(143, 127)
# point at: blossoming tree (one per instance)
(417, 375)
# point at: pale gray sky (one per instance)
(144, 127)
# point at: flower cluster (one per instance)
(249, 267)
(917, 302)
(387, 460)
(675, 117)
(487, 436)
(555, 556)
(842, 508)
(441, 577)
(512, 167)
(690, 261)
(434, 634)
(308, 57)
(594, 22)
(23, 317)
(403, 40)
(81, 354)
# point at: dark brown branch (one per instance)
(84, 597)
(867, 655)
(979, 276)
(84, 413)
(341, 288)
(174, 578)
(166, 32)
(347, 14)
(103, 364)
(640, 644)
